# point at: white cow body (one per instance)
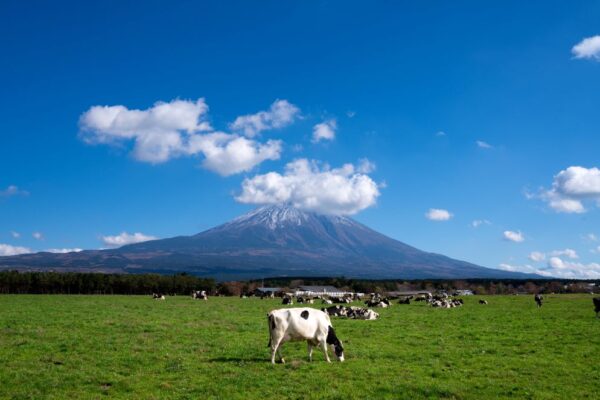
(297, 324)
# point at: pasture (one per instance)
(93, 347)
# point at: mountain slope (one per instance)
(271, 241)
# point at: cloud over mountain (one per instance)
(9, 250)
(125, 238)
(309, 186)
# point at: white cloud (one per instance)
(15, 235)
(570, 253)
(13, 190)
(440, 133)
(281, 114)
(228, 154)
(324, 131)
(304, 184)
(527, 269)
(513, 236)
(483, 145)
(8, 250)
(365, 166)
(571, 187)
(38, 235)
(438, 214)
(351, 114)
(125, 238)
(478, 222)
(64, 251)
(587, 48)
(537, 256)
(179, 128)
(572, 270)
(559, 269)
(158, 132)
(591, 237)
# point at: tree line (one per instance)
(15, 282)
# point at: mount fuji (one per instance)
(271, 241)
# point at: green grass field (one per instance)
(88, 347)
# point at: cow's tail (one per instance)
(271, 321)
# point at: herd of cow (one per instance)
(314, 326)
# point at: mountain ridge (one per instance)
(274, 240)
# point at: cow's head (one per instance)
(336, 344)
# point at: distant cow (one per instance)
(596, 301)
(326, 301)
(405, 300)
(383, 303)
(538, 299)
(308, 324)
(336, 311)
(287, 301)
(199, 295)
(483, 301)
(158, 296)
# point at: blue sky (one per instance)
(382, 78)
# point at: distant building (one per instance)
(463, 292)
(320, 291)
(406, 293)
(266, 291)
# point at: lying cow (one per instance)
(383, 303)
(336, 311)
(287, 301)
(405, 300)
(596, 301)
(538, 300)
(481, 301)
(158, 296)
(295, 324)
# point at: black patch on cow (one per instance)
(596, 304)
(304, 314)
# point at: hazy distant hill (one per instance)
(270, 241)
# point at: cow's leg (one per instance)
(323, 345)
(310, 351)
(279, 353)
(276, 349)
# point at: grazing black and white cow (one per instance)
(538, 299)
(158, 296)
(295, 324)
(596, 301)
(481, 301)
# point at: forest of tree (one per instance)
(14, 282)
(96, 283)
